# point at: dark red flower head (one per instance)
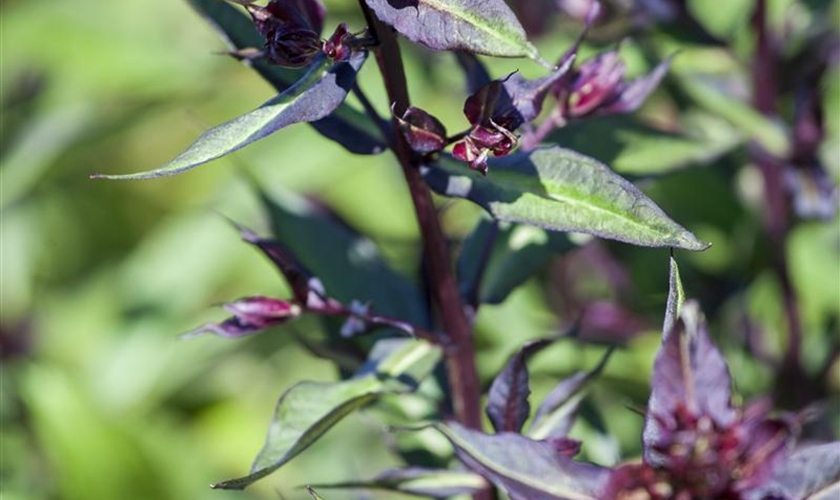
(292, 30)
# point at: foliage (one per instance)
(537, 201)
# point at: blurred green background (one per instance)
(99, 397)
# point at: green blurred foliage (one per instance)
(100, 399)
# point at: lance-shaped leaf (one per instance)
(494, 262)
(556, 413)
(524, 468)
(349, 127)
(307, 410)
(480, 26)
(676, 298)
(690, 377)
(810, 473)
(434, 483)
(348, 263)
(561, 190)
(507, 400)
(321, 90)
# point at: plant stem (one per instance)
(460, 354)
(765, 97)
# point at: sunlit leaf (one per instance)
(558, 189)
(434, 483)
(307, 410)
(314, 96)
(676, 297)
(525, 468)
(486, 27)
(811, 473)
(347, 126)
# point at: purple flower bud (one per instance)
(598, 87)
(337, 47)
(423, 132)
(251, 315)
(595, 83)
(292, 30)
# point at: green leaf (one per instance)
(434, 483)
(307, 410)
(523, 467)
(516, 252)
(771, 135)
(348, 126)
(347, 263)
(486, 27)
(676, 298)
(321, 90)
(561, 190)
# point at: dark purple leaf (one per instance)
(474, 70)
(480, 26)
(507, 400)
(557, 412)
(524, 468)
(302, 283)
(565, 446)
(690, 381)
(250, 315)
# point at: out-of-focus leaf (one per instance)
(307, 410)
(556, 413)
(516, 252)
(633, 148)
(486, 27)
(507, 399)
(347, 126)
(434, 483)
(689, 375)
(561, 190)
(348, 264)
(525, 468)
(810, 473)
(770, 135)
(314, 96)
(676, 298)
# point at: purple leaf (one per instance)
(250, 315)
(809, 473)
(690, 381)
(525, 468)
(507, 400)
(479, 26)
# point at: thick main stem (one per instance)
(460, 352)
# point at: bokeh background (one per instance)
(100, 399)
